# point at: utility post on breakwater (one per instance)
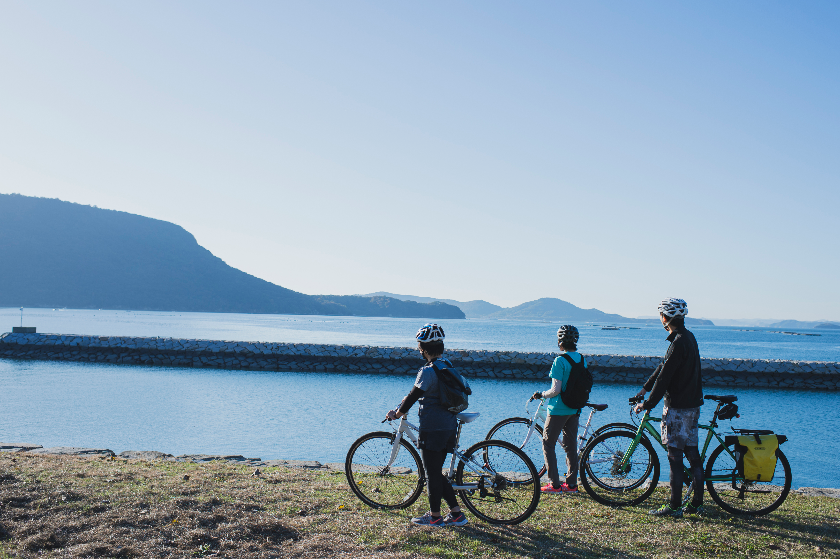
(22, 329)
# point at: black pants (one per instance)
(439, 486)
(675, 460)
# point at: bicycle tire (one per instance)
(396, 488)
(737, 496)
(601, 477)
(615, 427)
(505, 491)
(514, 430)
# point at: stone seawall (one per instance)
(268, 356)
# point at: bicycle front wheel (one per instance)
(615, 427)
(375, 482)
(734, 494)
(610, 479)
(514, 430)
(496, 482)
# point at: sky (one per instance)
(609, 154)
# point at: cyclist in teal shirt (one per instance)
(561, 418)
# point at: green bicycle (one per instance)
(621, 468)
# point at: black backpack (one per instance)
(578, 386)
(453, 392)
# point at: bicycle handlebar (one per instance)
(636, 400)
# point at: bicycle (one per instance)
(520, 431)
(621, 468)
(493, 478)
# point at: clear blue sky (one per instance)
(608, 154)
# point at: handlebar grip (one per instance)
(636, 400)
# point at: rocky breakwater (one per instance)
(267, 356)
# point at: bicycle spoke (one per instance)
(374, 481)
(500, 483)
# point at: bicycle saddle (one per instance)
(723, 399)
(598, 407)
(467, 417)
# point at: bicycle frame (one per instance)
(646, 427)
(408, 429)
(531, 427)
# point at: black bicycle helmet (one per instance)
(567, 332)
(728, 411)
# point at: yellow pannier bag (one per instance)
(759, 456)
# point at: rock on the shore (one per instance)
(147, 455)
(18, 447)
(73, 451)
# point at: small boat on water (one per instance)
(610, 328)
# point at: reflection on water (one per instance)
(318, 415)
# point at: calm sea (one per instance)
(317, 416)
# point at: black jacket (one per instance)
(678, 376)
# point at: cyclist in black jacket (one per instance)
(679, 380)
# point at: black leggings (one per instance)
(675, 460)
(439, 486)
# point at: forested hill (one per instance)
(547, 308)
(60, 254)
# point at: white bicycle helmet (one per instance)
(430, 333)
(672, 307)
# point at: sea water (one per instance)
(514, 335)
(316, 416)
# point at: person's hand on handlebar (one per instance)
(392, 415)
(641, 393)
(537, 396)
(640, 407)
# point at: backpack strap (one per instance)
(569, 359)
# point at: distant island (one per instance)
(555, 310)
(61, 254)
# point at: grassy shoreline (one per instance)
(65, 506)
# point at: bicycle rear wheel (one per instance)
(610, 483)
(501, 479)
(738, 496)
(377, 484)
(514, 430)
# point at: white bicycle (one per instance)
(526, 433)
(494, 479)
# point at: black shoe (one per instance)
(694, 509)
(666, 510)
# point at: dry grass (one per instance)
(76, 507)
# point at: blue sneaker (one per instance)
(429, 520)
(455, 519)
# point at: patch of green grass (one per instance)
(77, 507)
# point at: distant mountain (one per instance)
(60, 254)
(472, 309)
(800, 324)
(555, 310)
(828, 326)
